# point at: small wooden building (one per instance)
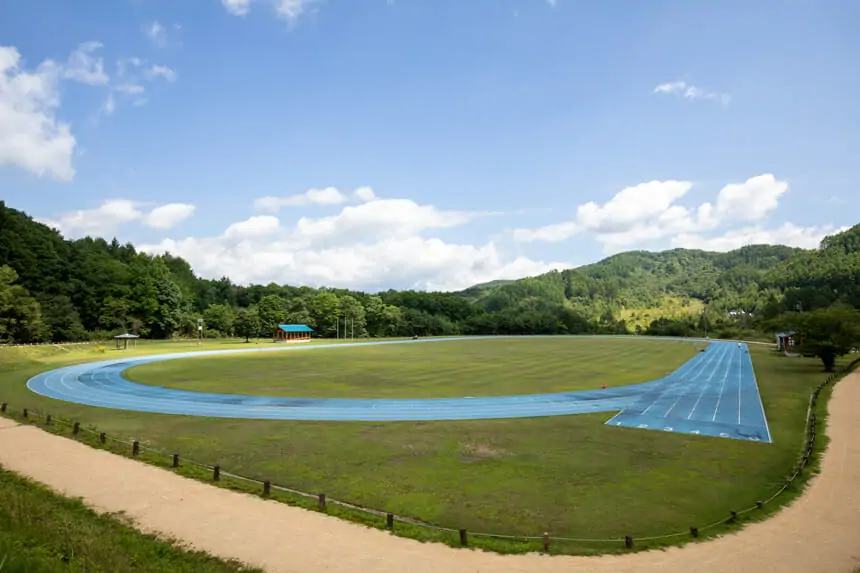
(785, 341)
(122, 341)
(293, 333)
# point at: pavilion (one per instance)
(786, 340)
(122, 340)
(293, 333)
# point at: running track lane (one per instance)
(713, 394)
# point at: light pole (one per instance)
(199, 331)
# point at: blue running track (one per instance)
(713, 394)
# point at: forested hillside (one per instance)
(52, 289)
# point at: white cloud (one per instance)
(322, 197)
(377, 220)
(108, 217)
(84, 67)
(648, 212)
(325, 196)
(364, 194)
(689, 91)
(288, 10)
(237, 7)
(376, 244)
(156, 71)
(292, 10)
(549, 234)
(31, 135)
(156, 33)
(787, 234)
(253, 228)
(132, 75)
(168, 216)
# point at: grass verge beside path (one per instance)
(41, 531)
(571, 476)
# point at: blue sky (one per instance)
(486, 138)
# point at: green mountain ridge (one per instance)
(53, 289)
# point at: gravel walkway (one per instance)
(818, 533)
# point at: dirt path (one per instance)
(818, 533)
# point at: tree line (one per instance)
(57, 290)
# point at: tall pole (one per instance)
(352, 326)
(336, 328)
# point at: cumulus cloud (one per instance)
(32, 137)
(691, 92)
(373, 245)
(648, 212)
(107, 218)
(787, 234)
(168, 216)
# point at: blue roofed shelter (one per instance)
(293, 333)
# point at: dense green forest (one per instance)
(53, 289)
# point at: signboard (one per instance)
(199, 328)
(199, 321)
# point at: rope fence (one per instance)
(322, 502)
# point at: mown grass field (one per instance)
(478, 367)
(572, 476)
(43, 532)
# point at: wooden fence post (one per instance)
(321, 502)
(546, 542)
(389, 521)
(464, 538)
(3, 407)
(694, 532)
(628, 542)
(733, 516)
(175, 460)
(48, 420)
(76, 429)
(267, 488)
(103, 438)
(26, 413)
(216, 473)
(135, 448)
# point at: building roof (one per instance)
(126, 335)
(295, 328)
(784, 334)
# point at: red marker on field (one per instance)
(604, 386)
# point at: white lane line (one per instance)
(703, 363)
(706, 386)
(722, 388)
(740, 382)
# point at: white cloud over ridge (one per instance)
(107, 218)
(372, 245)
(648, 212)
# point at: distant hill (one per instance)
(641, 286)
(54, 289)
